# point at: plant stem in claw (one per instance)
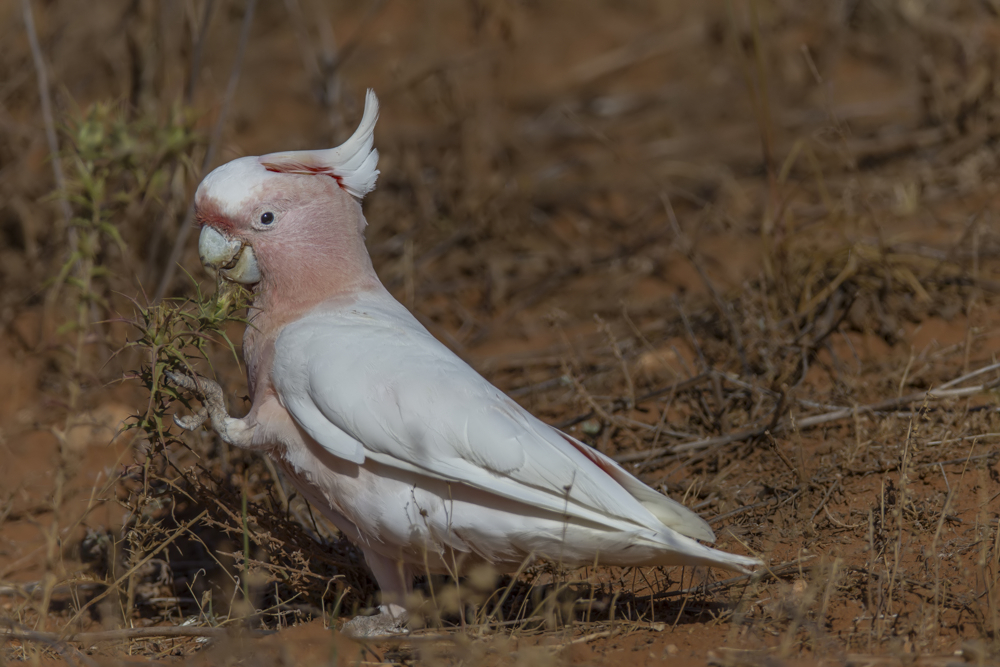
(232, 431)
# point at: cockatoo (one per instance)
(414, 456)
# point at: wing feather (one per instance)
(369, 381)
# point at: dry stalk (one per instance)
(51, 138)
(817, 420)
(128, 634)
(184, 231)
(114, 586)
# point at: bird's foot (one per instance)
(233, 431)
(192, 422)
(210, 394)
(390, 620)
(207, 390)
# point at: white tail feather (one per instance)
(353, 163)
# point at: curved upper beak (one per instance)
(233, 259)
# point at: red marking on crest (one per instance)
(300, 168)
(208, 212)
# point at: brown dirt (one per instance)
(528, 153)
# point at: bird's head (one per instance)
(291, 222)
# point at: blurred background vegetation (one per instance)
(787, 206)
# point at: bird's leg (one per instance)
(395, 580)
(233, 431)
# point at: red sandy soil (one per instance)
(572, 120)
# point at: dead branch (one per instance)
(50, 124)
(125, 634)
(776, 572)
(818, 420)
(234, 78)
(621, 404)
(163, 545)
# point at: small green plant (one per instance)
(118, 171)
(171, 335)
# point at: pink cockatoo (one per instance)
(412, 454)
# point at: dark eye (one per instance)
(266, 218)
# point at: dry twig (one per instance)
(817, 420)
(170, 269)
(126, 634)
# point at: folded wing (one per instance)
(370, 382)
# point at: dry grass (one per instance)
(745, 248)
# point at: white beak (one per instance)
(233, 260)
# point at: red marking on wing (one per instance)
(595, 458)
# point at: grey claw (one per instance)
(192, 422)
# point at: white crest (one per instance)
(353, 163)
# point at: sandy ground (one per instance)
(656, 224)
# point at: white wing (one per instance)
(368, 381)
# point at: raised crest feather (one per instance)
(353, 163)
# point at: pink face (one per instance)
(287, 234)
(290, 224)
